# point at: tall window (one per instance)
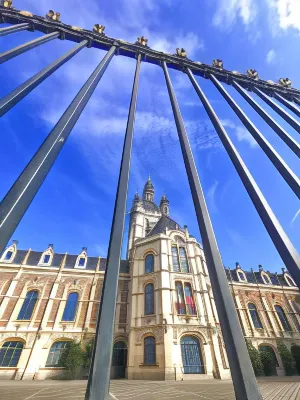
(149, 350)
(81, 262)
(281, 315)
(185, 301)
(149, 299)
(192, 360)
(46, 259)
(55, 356)
(180, 263)
(119, 356)
(254, 316)
(10, 353)
(149, 264)
(71, 307)
(28, 305)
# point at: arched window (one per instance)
(71, 307)
(254, 316)
(185, 300)
(149, 299)
(10, 353)
(28, 305)
(180, 263)
(58, 349)
(149, 264)
(149, 350)
(271, 351)
(191, 355)
(281, 315)
(119, 357)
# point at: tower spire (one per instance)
(148, 193)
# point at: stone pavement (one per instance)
(271, 388)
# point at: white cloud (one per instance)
(287, 13)
(228, 11)
(243, 135)
(211, 195)
(190, 41)
(227, 123)
(271, 56)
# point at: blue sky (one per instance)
(74, 206)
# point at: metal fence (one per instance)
(21, 194)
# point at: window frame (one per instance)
(45, 254)
(284, 315)
(257, 316)
(76, 307)
(83, 254)
(146, 361)
(33, 308)
(11, 249)
(178, 247)
(153, 300)
(265, 277)
(183, 285)
(243, 278)
(66, 342)
(145, 263)
(13, 353)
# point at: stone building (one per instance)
(166, 324)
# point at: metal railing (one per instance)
(23, 191)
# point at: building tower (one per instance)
(164, 205)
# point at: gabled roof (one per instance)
(163, 223)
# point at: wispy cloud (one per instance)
(242, 133)
(229, 11)
(271, 57)
(211, 196)
(295, 217)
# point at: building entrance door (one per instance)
(191, 355)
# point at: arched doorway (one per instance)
(296, 354)
(119, 360)
(192, 359)
(269, 367)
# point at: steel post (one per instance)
(287, 104)
(99, 376)
(11, 99)
(281, 241)
(9, 54)
(23, 191)
(14, 28)
(286, 116)
(282, 133)
(244, 381)
(288, 175)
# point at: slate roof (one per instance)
(150, 206)
(163, 223)
(91, 264)
(256, 277)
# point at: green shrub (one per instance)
(286, 357)
(296, 354)
(268, 362)
(255, 359)
(88, 354)
(73, 359)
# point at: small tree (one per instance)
(296, 354)
(286, 357)
(73, 359)
(267, 361)
(255, 359)
(88, 354)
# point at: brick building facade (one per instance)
(166, 324)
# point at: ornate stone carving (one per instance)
(195, 329)
(26, 13)
(6, 3)
(286, 82)
(142, 40)
(180, 52)
(217, 63)
(252, 73)
(76, 28)
(157, 332)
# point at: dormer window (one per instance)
(46, 259)
(47, 256)
(266, 278)
(241, 276)
(289, 280)
(9, 254)
(81, 259)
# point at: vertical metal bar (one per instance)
(99, 376)
(244, 381)
(287, 104)
(14, 28)
(9, 54)
(10, 100)
(280, 239)
(23, 191)
(288, 175)
(282, 133)
(287, 117)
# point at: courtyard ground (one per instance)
(284, 388)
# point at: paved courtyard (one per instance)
(271, 388)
